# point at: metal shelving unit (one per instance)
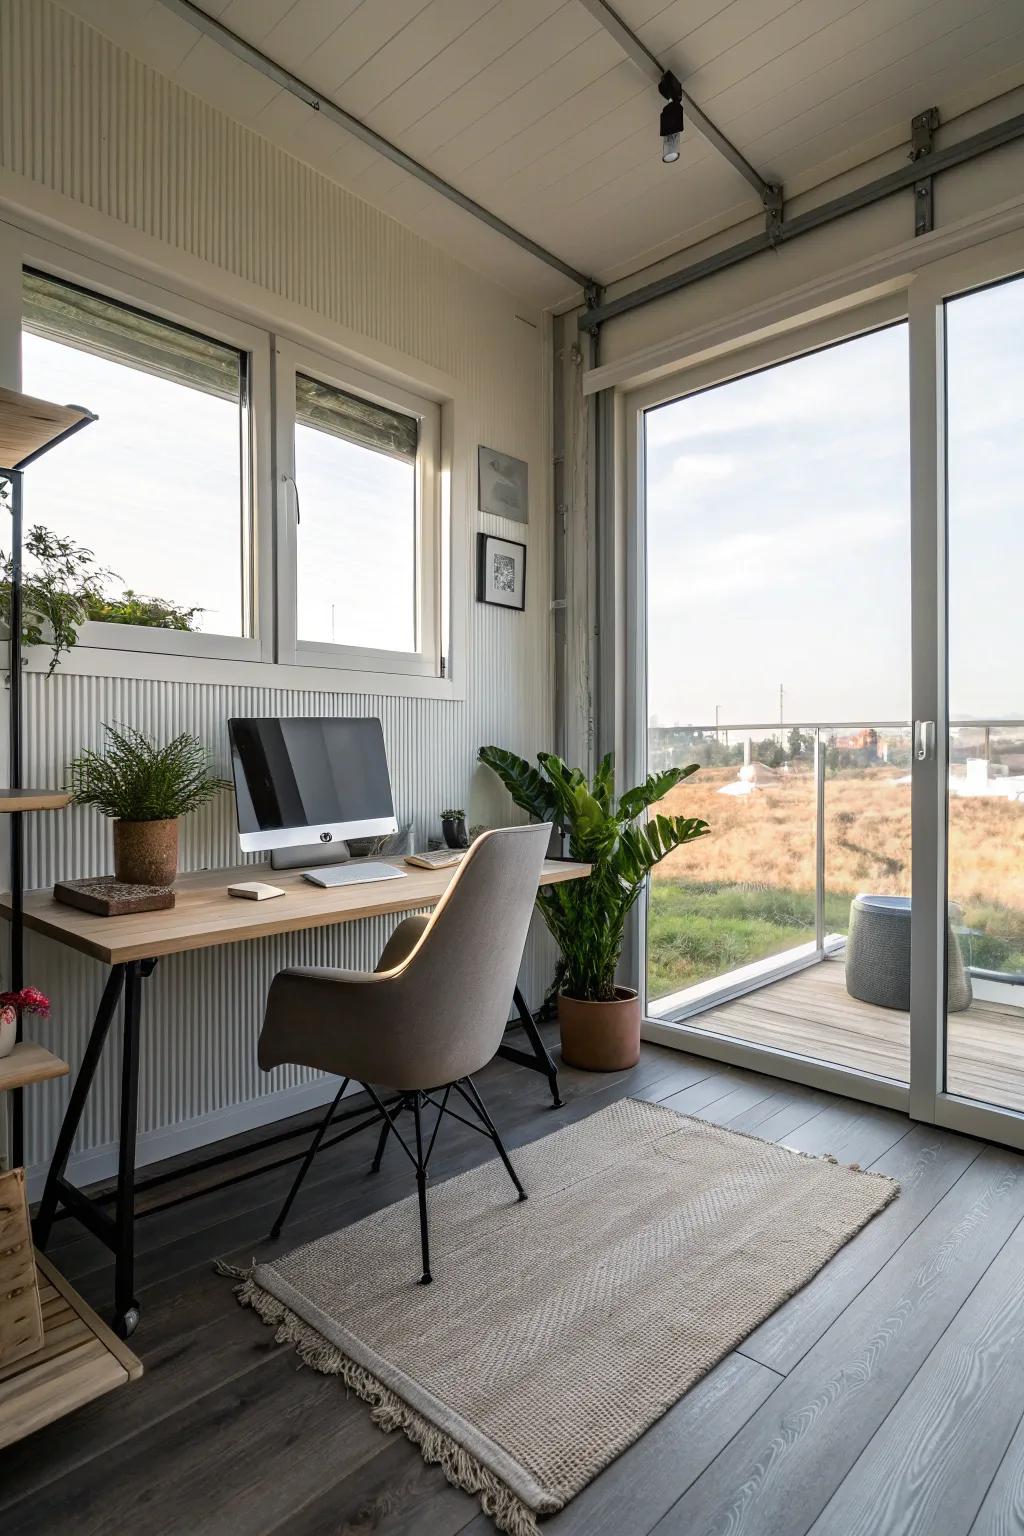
(79, 1358)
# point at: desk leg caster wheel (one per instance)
(125, 1323)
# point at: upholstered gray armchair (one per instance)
(430, 1016)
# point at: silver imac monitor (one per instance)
(309, 782)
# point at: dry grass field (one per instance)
(746, 890)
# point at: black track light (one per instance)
(671, 116)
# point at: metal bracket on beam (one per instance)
(772, 199)
(922, 143)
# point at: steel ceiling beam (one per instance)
(939, 160)
(317, 102)
(649, 65)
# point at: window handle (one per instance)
(924, 740)
(288, 480)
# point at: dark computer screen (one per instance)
(307, 772)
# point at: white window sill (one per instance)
(166, 666)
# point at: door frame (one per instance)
(850, 320)
(920, 300)
(979, 267)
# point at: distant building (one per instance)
(863, 744)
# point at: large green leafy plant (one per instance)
(136, 780)
(587, 918)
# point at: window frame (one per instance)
(96, 277)
(174, 286)
(290, 359)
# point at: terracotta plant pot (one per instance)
(146, 852)
(600, 1037)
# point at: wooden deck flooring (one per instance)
(812, 1014)
(885, 1399)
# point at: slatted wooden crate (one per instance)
(21, 1319)
(80, 1359)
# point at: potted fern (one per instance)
(144, 788)
(599, 1021)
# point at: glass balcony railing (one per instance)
(803, 818)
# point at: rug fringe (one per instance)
(388, 1411)
(230, 1271)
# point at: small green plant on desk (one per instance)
(144, 788)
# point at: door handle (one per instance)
(288, 480)
(924, 740)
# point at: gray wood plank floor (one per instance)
(886, 1397)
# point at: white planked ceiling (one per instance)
(530, 107)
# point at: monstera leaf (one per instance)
(529, 789)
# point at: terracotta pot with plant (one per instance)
(144, 789)
(599, 1021)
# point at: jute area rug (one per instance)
(557, 1330)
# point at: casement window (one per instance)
(239, 497)
(359, 518)
(160, 488)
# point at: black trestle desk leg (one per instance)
(126, 1308)
(539, 1058)
(76, 1105)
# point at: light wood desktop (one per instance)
(204, 916)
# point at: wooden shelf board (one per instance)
(80, 1359)
(33, 799)
(30, 1063)
(29, 425)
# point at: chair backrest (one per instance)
(452, 997)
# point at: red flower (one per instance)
(29, 1000)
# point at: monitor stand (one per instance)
(310, 855)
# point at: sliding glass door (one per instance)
(777, 557)
(831, 540)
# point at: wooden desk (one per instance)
(205, 916)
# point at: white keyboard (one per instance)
(356, 873)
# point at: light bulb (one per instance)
(670, 148)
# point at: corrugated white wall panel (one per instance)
(82, 119)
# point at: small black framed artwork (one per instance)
(500, 571)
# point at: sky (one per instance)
(152, 487)
(778, 511)
(357, 544)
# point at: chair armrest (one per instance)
(402, 943)
(311, 1014)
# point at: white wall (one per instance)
(95, 143)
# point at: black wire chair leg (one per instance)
(421, 1190)
(382, 1142)
(306, 1163)
(478, 1104)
